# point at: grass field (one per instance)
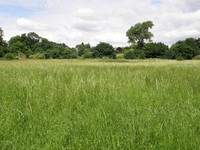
(93, 104)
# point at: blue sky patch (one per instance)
(16, 10)
(156, 2)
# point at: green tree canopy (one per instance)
(198, 42)
(3, 44)
(82, 48)
(18, 44)
(1, 34)
(186, 49)
(104, 50)
(32, 45)
(155, 50)
(139, 33)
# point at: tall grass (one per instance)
(81, 104)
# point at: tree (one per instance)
(140, 33)
(155, 50)
(9, 56)
(129, 54)
(1, 35)
(17, 45)
(88, 53)
(82, 48)
(118, 50)
(186, 49)
(104, 49)
(198, 42)
(3, 44)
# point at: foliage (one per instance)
(21, 56)
(119, 50)
(68, 53)
(9, 56)
(169, 54)
(198, 42)
(141, 55)
(196, 57)
(82, 48)
(18, 44)
(3, 44)
(104, 50)
(1, 52)
(37, 56)
(34, 46)
(139, 33)
(155, 50)
(1, 36)
(129, 54)
(88, 53)
(119, 56)
(179, 58)
(186, 49)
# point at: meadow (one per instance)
(99, 104)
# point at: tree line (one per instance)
(32, 46)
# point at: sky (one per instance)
(91, 21)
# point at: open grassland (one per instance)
(93, 104)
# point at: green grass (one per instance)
(93, 104)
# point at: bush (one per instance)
(88, 54)
(21, 56)
(196, 57)
(1, 52)
(37, 56)
(179, 58)
(120, 56)
(142, 55)
(186, 49)
(155, 50)
(104, 50)
(129, 54)
(118, 50)
(82, 48)
(32, 57)
(9, 56)
(169, 54)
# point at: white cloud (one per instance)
(27, 24)
(86, 26)
(86, 14)
(114, 38)
(73, 22)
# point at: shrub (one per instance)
(9, 56)
(129, 54)
(196, 57)
(104, 50)
(142, 55)
(118, 50)
(155, 50)
(39, 56)
(186, 49)
(88, 54)
(120, 56)
(82, 48)
(169, 54)
(179, 58)
(1, 52)
(21, 56)
(32, 57)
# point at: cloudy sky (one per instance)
(75, 21)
